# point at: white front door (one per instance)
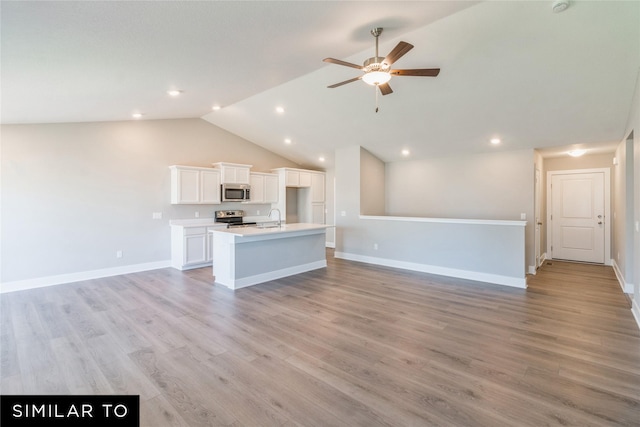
(578, 216)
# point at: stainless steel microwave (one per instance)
(236, 192)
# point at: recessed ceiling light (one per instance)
(405, 152)
(216, 107)
(495, 141)
(576, 153)
(321, 159)
(287, 141)
(174, 92)
(137, 115)
(279, 110)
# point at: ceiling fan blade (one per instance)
(339, 62)
(397, 52)
(428, 72)
(385, 89)
(345, 82)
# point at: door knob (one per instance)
(600, 222)
(599, 216)
(539, 223)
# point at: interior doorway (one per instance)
(578, 223)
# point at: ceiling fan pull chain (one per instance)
(375, 89)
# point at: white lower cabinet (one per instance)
(191, 246)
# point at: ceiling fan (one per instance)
(377, 70)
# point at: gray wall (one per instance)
(622, 211)
(496, 185)
(445, 248)
(372, 184)
(74, 194)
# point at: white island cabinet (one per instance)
(248, 256)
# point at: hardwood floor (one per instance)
(349, 345)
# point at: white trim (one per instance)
(516, 282)
(446, 220)
(272, 275)
(40, 282)
(331, 245)
(627, 288)
(635, 310)
(532, 270)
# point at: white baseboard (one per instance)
(272, 275)
(331, 245)
(532, 270)
(516, 282)
(40, 282)
(635, 309)
(627, 288)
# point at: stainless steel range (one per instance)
(233, 218)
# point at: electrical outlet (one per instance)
(375, 246)
(258, 212)
(343, 213)
(157, 215)
(119, 254)
(523, 216)
(197, 214)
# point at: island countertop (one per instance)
(271, 230)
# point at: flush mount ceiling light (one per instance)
(137, 115)
(560, 6)
(321, 159)
(495, 141)
(287, 140)
(174, 92)
(216, 108)
(576, 153)
(405, 152)
(279, 110)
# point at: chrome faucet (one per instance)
(279, 216)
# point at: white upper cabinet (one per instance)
(297, 178)
(194, 186)
(234, 173)
(264, 188)
(317, 188)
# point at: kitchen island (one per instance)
(252, 255)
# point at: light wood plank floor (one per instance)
(349, 345)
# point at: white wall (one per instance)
(74, 194)
(497, 185)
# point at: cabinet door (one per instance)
(210, 187)
(242, 176)
(317, 213)
(292, 179)
(271, 189)
(209, 245)
(195, 249)
(188, 186)
(305, 179)
(317, 188)
(257, 188)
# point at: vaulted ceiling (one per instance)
(513, 70)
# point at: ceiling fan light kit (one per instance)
(377, 69)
